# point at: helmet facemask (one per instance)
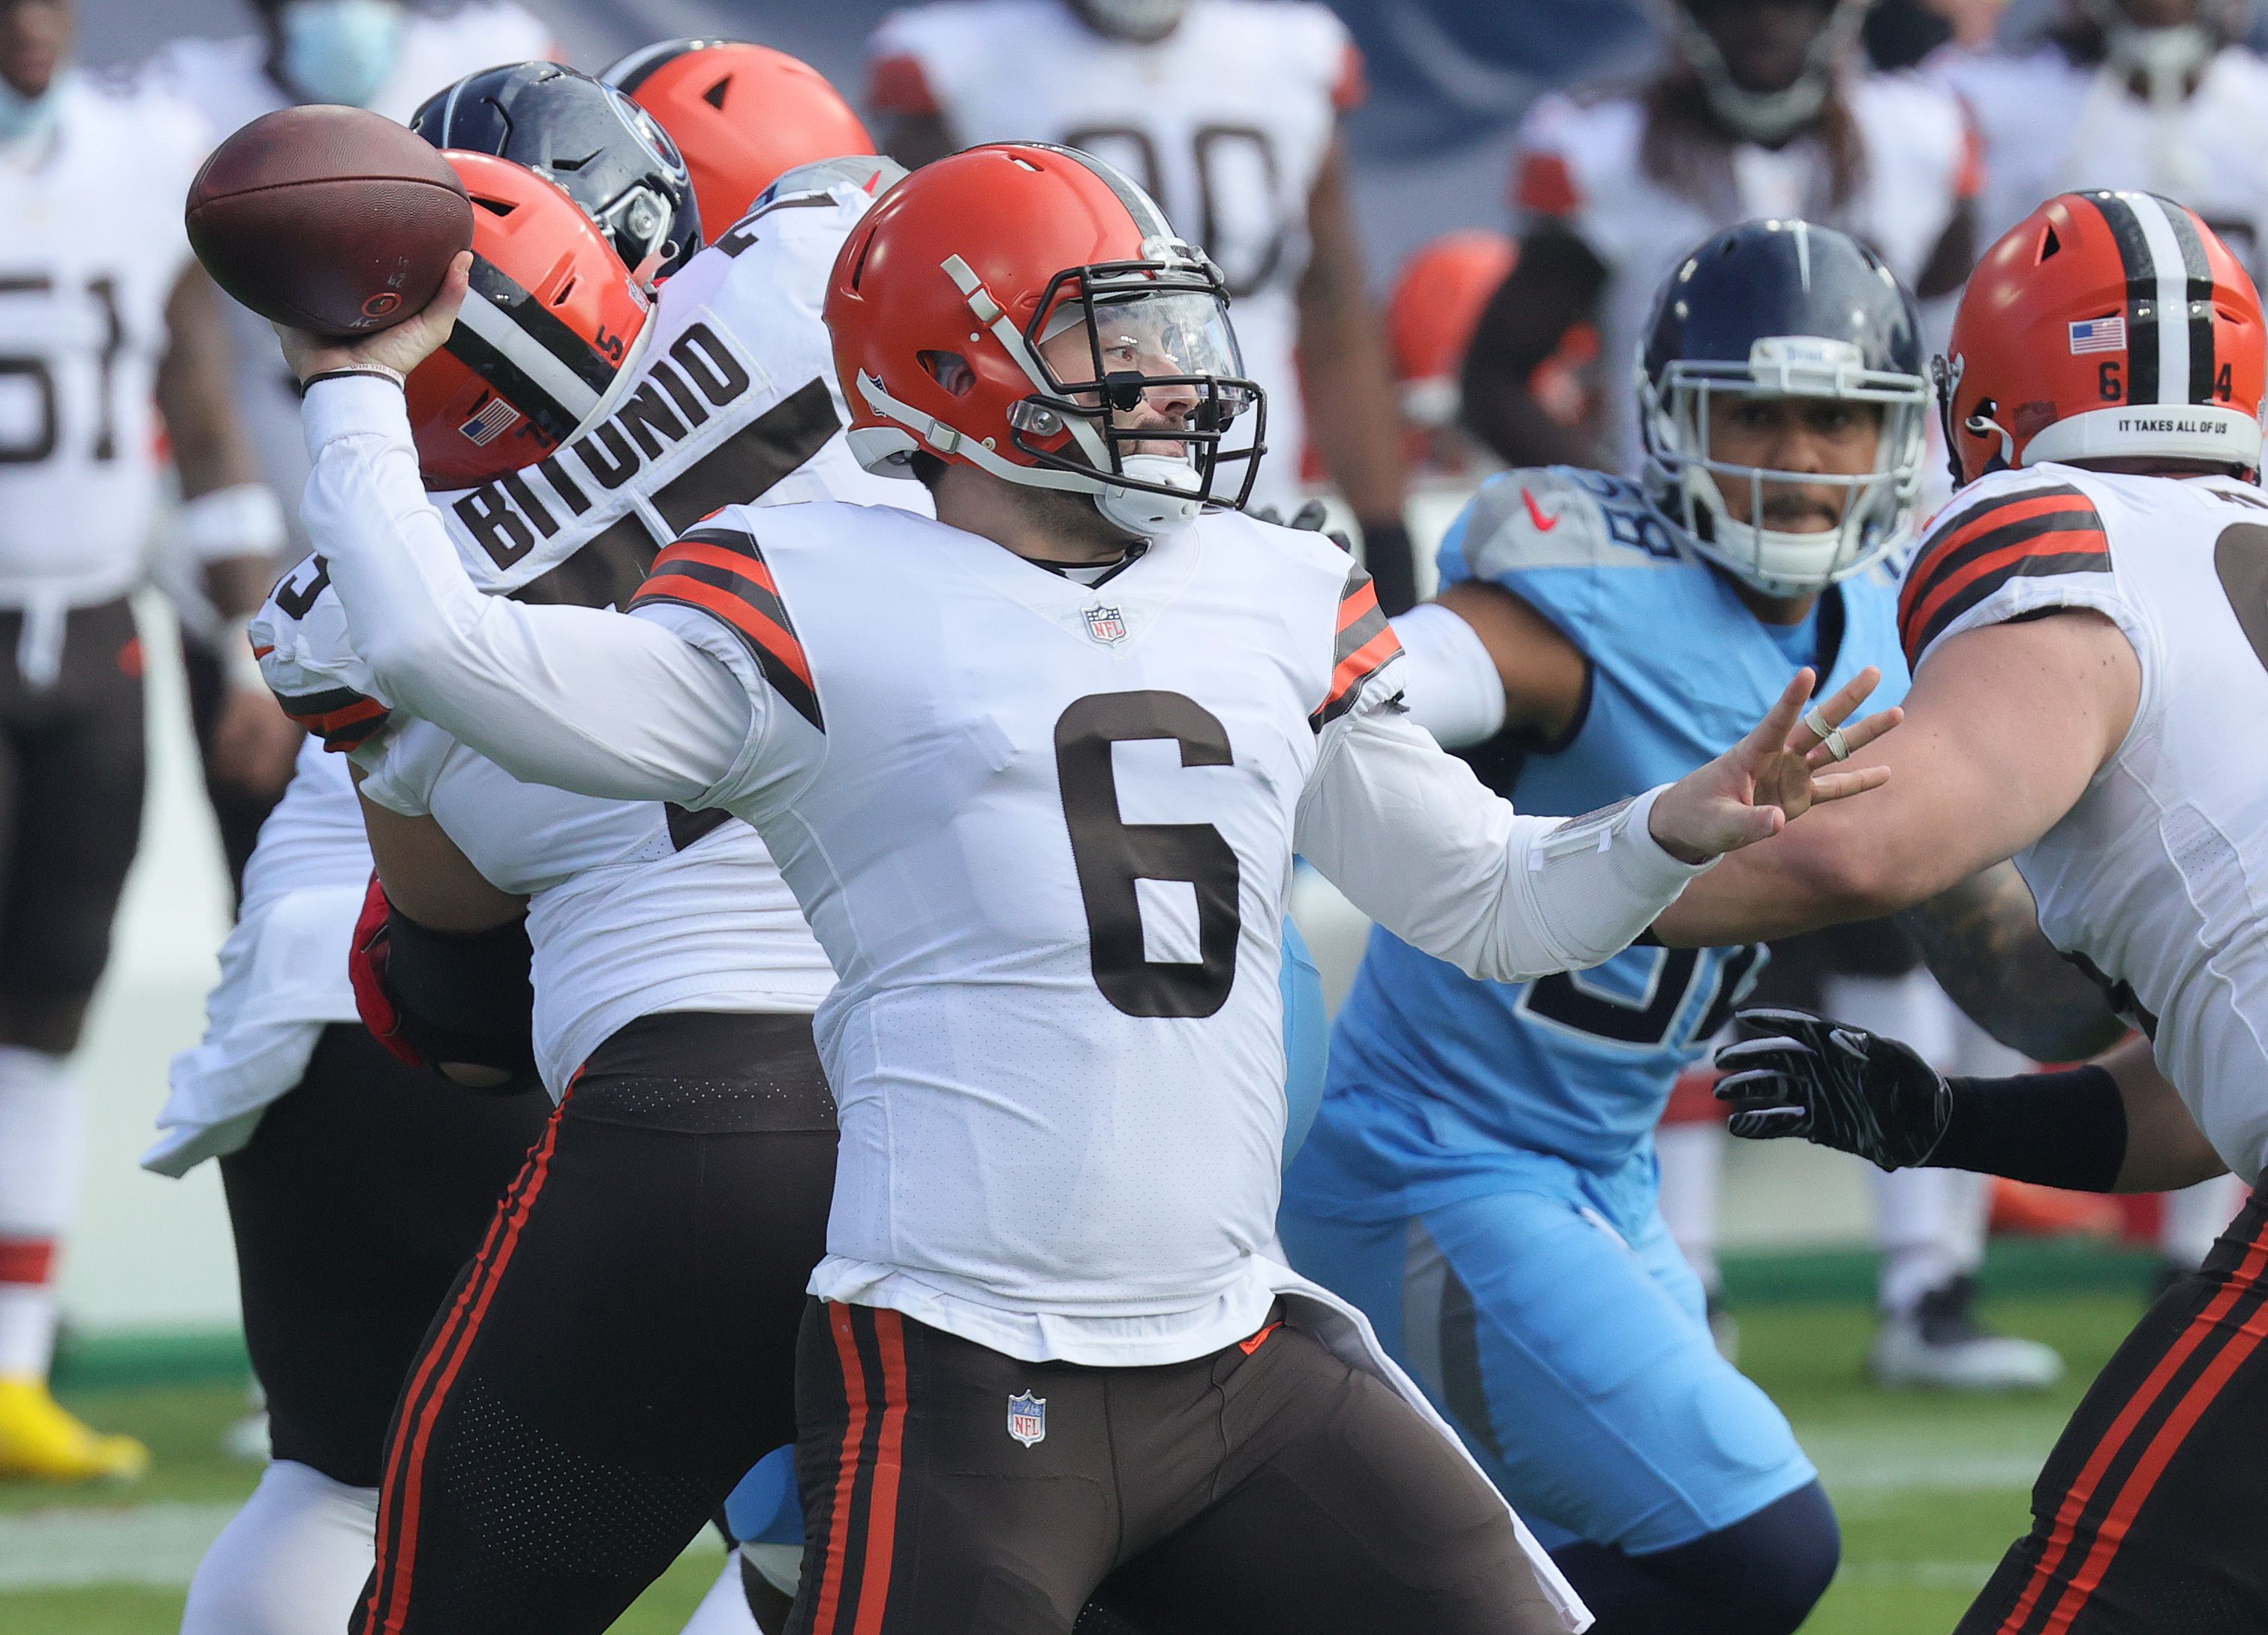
(1684, 477)
(644, 224)
(1150, 403)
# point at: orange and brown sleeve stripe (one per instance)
(1366, 642)
(722, 572)
(1974, 552)
(342, 716)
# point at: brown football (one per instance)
(333, 219)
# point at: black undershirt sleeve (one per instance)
(1556, 284)
(2064, 1129)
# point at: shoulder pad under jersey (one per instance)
(1555, 516)
(732, 393)
(308, 660)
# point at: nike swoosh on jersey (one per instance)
(1535, 514)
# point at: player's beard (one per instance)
(1069, 516)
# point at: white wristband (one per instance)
(1600, 879)
(243, 521)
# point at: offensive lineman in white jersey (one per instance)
(2163, 96)
(665, 948)
(1038, 788)
(329, 1149)
(105, 322)
(373, 54)
(1227, 112)
(2088, 623)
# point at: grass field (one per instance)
(1930, 1488)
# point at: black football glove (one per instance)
(1309, 519)
(1835, 1086)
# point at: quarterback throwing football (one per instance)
(1036, 771)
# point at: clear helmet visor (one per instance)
(1805, 529)
(1161, 332)
(1146, 376)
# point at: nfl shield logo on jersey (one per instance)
(1027, 1418)
(1107, 625)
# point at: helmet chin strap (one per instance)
(1146, 515)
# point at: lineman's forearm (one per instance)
(2114, 1125)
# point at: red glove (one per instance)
(366, 970)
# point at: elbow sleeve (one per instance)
(1449, 683)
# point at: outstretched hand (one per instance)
(1774, 775)
(400, 348)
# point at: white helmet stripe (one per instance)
(2170, 307)
(529, 355)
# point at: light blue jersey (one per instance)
(1437, 1079)
(1481, 1179)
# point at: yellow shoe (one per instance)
(40, 1440)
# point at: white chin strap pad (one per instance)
(1146, 514)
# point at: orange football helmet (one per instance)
(1436, 304)
(952, 293)
(742, 115)
(2105, 325)
(553, 318)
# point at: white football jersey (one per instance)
(1581, 165)
(282, 969)
(731, 399)
(2051, 126)
(94, 250)
(636, 906)
(1044, 833)
(1226, 122)
(228, 82)
(2157, 880)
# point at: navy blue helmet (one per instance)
(610, 155)
(1783, 309)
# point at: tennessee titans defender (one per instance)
(1482, 1177)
